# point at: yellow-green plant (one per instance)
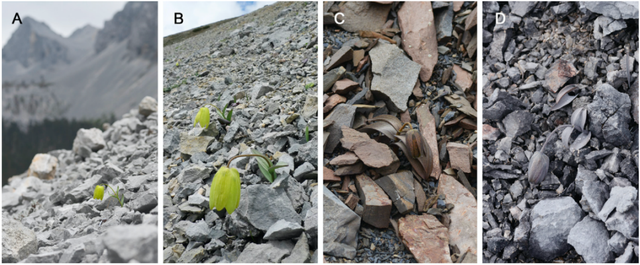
(225, 187)
(202, 117)
(98, 193)
(306, 133)
(225, 190)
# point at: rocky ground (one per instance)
(414, 63)
(566, 73)
(49, 216)
(264, 66)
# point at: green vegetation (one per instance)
(310, 85)
(306, 133)
(266, 167)
(223, 113)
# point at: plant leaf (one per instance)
(417, 166)
(564, 98)
(581, 141)
(566, 136)
(381, 127)
(579, 119)
(390, 119)
(264, 166)
(229, 115)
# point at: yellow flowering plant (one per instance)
(98, 193)
(202, 117)
(225, 187)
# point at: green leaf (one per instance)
(229, 115)
(264, 166)
(306, 133)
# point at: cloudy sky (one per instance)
(196, 14)
(62, 17)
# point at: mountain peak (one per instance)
(137, 24)
(86, 31)
(34, 42)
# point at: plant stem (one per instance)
(115, 195)
(405, 125)
(549, 136)
(248, 155)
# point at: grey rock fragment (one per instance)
(589, 237)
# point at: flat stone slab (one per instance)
(377, 205)
(426, 238)
(399, 187)
(590, 239)
(551, 222)
(364, 16)
(463, 227)
(419, 35)
(460, 156)
(427, 125)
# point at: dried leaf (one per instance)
(566, 136)
(419, 149)
(390, 119)
(462, 104)
(579, 119)
(581, 141)
(380, 127)
(538, 167)
(564, 98)
(414, 162)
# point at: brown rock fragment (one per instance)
(343, 55)
(333, 101)
(350, 137)
(468, 124)
(357, 56)
(352, 201)
(348, 158)
(348, 170)
(459, 156)
(457, 5)
(399, 187)
(364, 15)
(421, 197)
(377, 205)
(472, 19)
(419, 35)
(344, 86)
(373, 153)
(327, 175)
(463, 78)
(428, 130)
(392, 168)
(463, 226)
(426, 238)
(490, 133)
(559, 73)
(417, 92)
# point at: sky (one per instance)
(62, 17)
(196, 14)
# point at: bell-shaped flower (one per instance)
(98, 193)
(225, 190)
(202, 117)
